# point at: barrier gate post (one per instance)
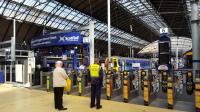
(125, 86)
(197, 90)
(108, 85)
(80, 84)
(164, 81)
(197, 96)
(48, 83)
(146, 88)
(170, 93)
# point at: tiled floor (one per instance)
(26, 100)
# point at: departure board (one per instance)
(163, 59)
(163, 47)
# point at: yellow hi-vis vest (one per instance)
(94, 70)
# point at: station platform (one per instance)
(16, 99)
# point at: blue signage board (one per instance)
(57, 39)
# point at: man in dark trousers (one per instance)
(59, 82)
(96, 74)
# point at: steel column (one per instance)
(109, 36)
(195, 35)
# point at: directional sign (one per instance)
(164, 30)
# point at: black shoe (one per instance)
(91, 106)
(99, 107)
(62, 109)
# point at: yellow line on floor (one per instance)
(26, 100)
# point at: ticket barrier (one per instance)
(46, 80)
(180, 88)
(83, 83)
(130, 85)
(73, 78)
(197, 95)
(164, 78)
(113, 84)
(150, 85)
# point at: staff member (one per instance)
(96, 73)
(59, 82)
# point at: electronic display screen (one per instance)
(163, 47)
(163, 59)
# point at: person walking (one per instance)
(59, 82)
(96, 74)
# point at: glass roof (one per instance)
(184, 44)
(56, 15)
(188, 4)
(144, 10)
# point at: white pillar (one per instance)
(91, 35)
(177, 56)
(13, 41)
(109, 36)
(132, 53)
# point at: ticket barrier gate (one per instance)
(113, 84)
(83, 83)
(73, 79)
(197, 94)
(180, 88)
(151, 86)
(130, 85)
(46, 80)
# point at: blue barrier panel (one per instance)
(1, 77)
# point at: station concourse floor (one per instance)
(14, 99)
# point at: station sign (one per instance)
(57, 39)
(164, 30)
(86, 40)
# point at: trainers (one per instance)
(99, 107)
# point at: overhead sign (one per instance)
(86, 40)
(57, 39)
(164, 30)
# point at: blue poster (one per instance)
(57, 39)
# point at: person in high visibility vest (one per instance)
(96, 74)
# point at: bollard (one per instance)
(170, 94)
(125, 87)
